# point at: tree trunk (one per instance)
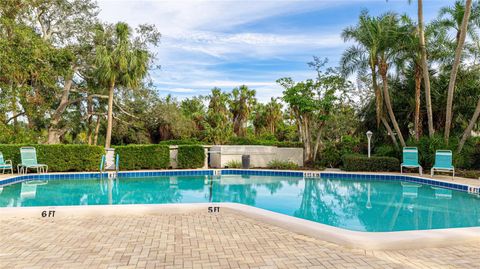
(390, 132)
(378, 94)
(53, 131)
(90, 135)
(108, 137)
(468, 131)
(307, 141)
(97, 129)
(14, 107)
(418, 82)
(426, 74)
(386, 97)
(89, 119)
(53, 136)
(317, 142)
(456, 63)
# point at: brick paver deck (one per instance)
(195, 240)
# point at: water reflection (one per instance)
(356, 205)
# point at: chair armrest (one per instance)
(8, 161)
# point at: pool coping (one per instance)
(340, 236)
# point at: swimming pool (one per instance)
(349, 202)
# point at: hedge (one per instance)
(355, 162)
(190, 156)
(59, 158)
(135, 157)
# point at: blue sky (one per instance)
(229, 43)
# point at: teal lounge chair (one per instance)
(29, 160)
(443, 162)
(5, 164)
(410, 159)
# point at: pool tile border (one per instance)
(250, 172)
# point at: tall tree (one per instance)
(67, 25)
(241, 105)
(273, 115)
(468, 131)
(266, 117)
(426, 74)
(410, 58)
(122, 61)
(456, 63)
(390, 34)
(218, 124)
(311, 103)
(372, 53)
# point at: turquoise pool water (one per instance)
(360, 205)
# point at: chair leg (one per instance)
(421, 170)
(401, 169)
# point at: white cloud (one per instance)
(200, 37)
(180, 15)
(248, 44)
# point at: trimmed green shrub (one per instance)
(135, 157)
(355, 162)
(190, 156)
(387, 151)
(287, 165)
(233, 164)
(332, 152)
(60, 158)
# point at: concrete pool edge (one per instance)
(340, 236)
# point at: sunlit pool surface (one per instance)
(359, 205)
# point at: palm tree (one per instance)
(376, 38)
(451, 17)
(273, 111)
(119, 63)
(424, 65)
(411, 54)
(217, 121)
(259, 118)
(391, 34)
(241, 106)
(468, 131)
(458, 53)
(364, 56)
